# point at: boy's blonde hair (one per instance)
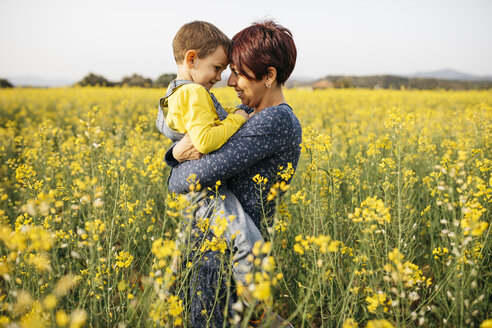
(201, 36)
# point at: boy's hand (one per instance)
(184, 150)
(242, 113)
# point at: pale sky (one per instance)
(115, 38)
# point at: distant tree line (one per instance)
(134, 80)
(335, 81)
(398, 82)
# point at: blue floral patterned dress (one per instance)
(267, 142)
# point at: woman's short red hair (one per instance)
(262, 45)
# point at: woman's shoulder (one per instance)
(274, 111)
(281, 113)
(280, 118)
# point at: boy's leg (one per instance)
(245, 232)
(246, 235)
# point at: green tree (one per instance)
(164, 80)
(94, 79)
(4, 83)
(136, 80)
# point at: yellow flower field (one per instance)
(386, 222)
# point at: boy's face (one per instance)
(207, 70)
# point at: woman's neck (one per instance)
(274, 97)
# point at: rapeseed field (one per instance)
(386, 222)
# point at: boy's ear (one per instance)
(190, 57)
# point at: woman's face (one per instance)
(251, 92)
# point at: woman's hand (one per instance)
(185, 151)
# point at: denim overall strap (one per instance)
(161, 119)
(221, 113)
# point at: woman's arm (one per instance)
(264, 135)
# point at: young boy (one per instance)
(201, 52)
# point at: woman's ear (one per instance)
(271, 76)
(190, 57)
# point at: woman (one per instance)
(262, 59)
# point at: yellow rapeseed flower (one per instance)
(350, 323)
(379, 324)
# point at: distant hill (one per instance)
(398, 82)
(36, 81)
(299, 81)
(450, 74)
(441, 79)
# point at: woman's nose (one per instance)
(232, 80)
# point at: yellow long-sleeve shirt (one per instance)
(191, 110)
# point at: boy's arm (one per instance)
(207, 133)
